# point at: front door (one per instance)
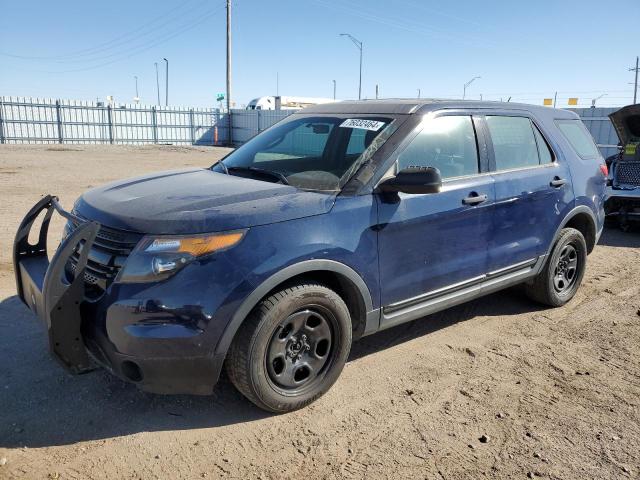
(434, 241)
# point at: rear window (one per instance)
(579, 138)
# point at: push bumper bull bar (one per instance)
(45, 287)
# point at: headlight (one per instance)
(158, 257)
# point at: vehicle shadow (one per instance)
(42, 405)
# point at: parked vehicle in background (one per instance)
(623, 193)
(286, 103)
(339, 221)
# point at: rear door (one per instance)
(533, 190)
(429, 242)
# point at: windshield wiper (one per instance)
(277, 175)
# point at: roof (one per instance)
(405, 106)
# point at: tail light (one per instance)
(604, 169)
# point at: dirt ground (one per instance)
(554, 392)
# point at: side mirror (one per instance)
(414, 180)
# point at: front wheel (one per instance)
(291, 348)
(561, 276)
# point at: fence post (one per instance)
(1, 122)
(193, 133)
(59, 122)
(154, 122)
(110, 124)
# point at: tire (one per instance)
(557, 283)
(291, 348)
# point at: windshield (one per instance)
(314, 153)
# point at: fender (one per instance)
(281, 276)
(575, 211)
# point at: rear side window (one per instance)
(447, 143)
(514, 142)
(579, 138)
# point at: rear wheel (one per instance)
(561, 276)
(291, 348)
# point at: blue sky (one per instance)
(524, 49)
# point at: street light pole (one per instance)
(593, 102)
(334, 89)
(358, 44)
(136, 77)
(464, 91)
(166, 84)
(418, 93)
(157, 82)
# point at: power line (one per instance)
(120, 40)
(140, 49)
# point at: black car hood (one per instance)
(621, 122)
(197, 201)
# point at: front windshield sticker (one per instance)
(372, 125)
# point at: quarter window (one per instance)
(579, 138)
(447, 143)
(514, 143)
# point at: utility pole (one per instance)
(157, 82)
(334, 89)
(230, 135)
(166, 84)
(635, 88)
(358, 44)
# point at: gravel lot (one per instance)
(498, 387)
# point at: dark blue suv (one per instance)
(340, 221)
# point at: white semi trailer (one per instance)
(285, 103)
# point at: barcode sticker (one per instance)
(373, 125)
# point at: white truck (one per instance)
(285, 103)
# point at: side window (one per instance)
(514, 143)
(543, 148)
(447, 143)
(579, 138)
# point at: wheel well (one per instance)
(584, 224)
(340, 284)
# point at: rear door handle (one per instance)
(557, 182)
(474, 199)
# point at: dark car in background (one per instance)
(623, 193)
(342, 220)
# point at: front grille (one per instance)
(627, 173)
(107, 256)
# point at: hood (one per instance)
(197, 201)
(626, 121)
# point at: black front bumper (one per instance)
(73, 318)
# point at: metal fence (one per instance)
(28, 120)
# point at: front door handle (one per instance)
(474, 199)
(557, 182)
